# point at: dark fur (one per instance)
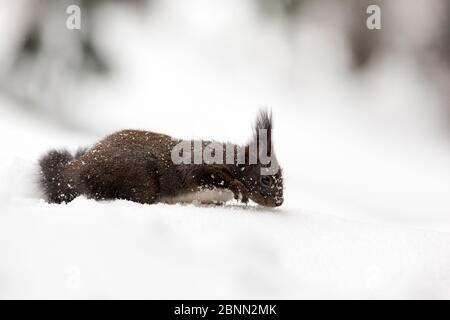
(53, 180)
(137, 166)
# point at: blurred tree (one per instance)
(364, 43)
(49, 59)
(286, 8)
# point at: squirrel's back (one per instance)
(119, 166)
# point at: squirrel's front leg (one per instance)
(222, 178)
(237, 188)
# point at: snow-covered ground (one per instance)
(367, 175)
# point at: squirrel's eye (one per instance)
(266, 181)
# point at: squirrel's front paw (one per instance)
(239, 191)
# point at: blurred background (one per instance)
(362, 117)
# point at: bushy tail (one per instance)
(56, 186)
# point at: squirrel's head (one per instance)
(262, 175)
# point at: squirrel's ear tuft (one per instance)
(264, 121)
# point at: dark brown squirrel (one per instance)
(139, 166)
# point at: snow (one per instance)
(366, 211)
(125, 250)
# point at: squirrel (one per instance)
(144, 167)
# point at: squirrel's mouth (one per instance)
(276, 203)
(266, 202)
(279, 202)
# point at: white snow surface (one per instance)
(367, 174)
